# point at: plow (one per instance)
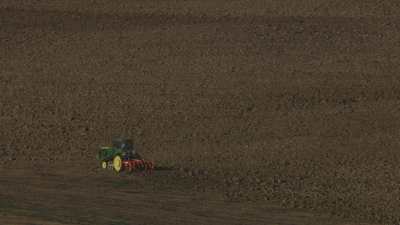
(122, 156)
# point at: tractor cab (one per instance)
(126, 147)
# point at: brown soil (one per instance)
(58, 195)
(296, 107)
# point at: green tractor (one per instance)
(122, 156)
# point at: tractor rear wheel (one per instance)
(117, 163)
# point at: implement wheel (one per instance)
(117, 163)
(104, 164)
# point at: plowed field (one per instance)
(259, 113)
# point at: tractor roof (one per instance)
(122, 143)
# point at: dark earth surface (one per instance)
(41, 197)
(258, 112)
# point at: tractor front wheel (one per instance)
(117, 163)
(104, 164)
